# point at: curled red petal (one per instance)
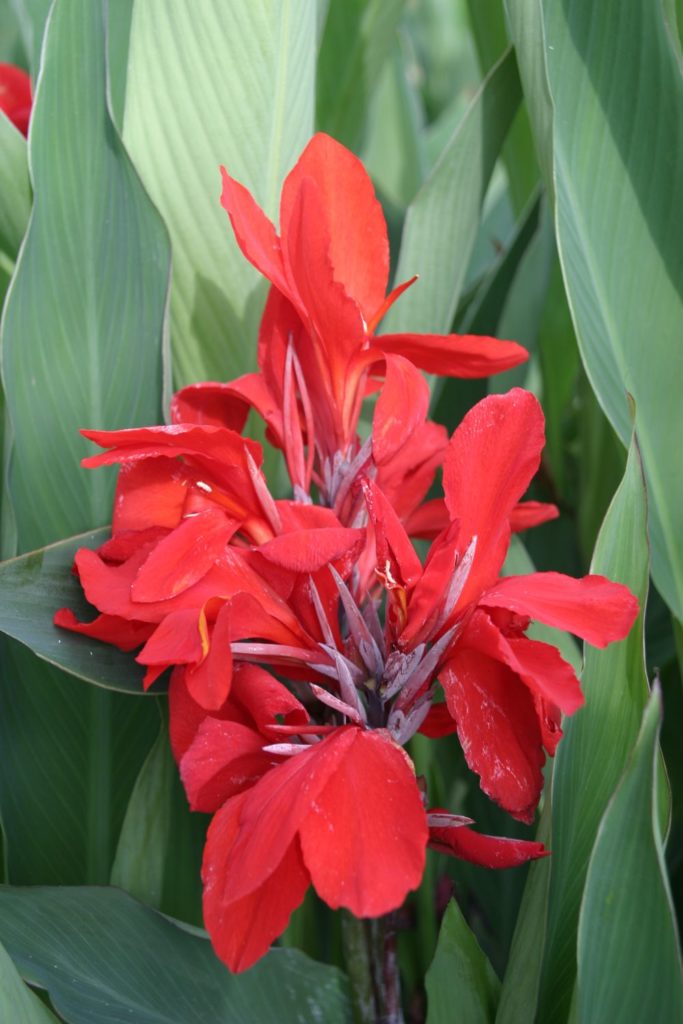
(223, 759)
(364, 839)
(149, 493)
(439, 722)
(454, 355)
(209, 681)
(210, 403)
(110, 629)
(400, 409)
(488, 851)
(176, 641)
(594, 608)
(395, 551)
(309, 550)
(498, 730)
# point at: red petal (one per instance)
(209, 683)
(210, 403)
(439, 722)
(175, 641)
(255, 234)
(184, 556)
(151, 493)
(593, 607)
(401, 408)
(110, 629)
(214, 444)
(498, 730)
(538, 665)
(490, 461)
(531, 513)
(364, 838)
(308, 550)
(223, 759)
(394, 548)
(359, 246)
(273, 811)
(242, 930)
(265, 699)
(428, 520)
(488, 851)
(185, 715)
(454, 355)
(15, 96)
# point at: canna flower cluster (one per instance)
(306, 639)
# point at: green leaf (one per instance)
(356, 42)
(598, 739)
(141, 852)
(460, 975)
(82, 341)
(18, 1004)
(618, 167)
(628, 953)
(519, 993)
(104, 957)
(15, 188)
(84, 319)
(32, 16)
(222, 88)
(33, 587)
(441, 224)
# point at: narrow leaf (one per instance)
(460, 972)
(17, 1003)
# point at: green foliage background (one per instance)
(529, 157)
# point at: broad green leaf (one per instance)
(142, 848)
(618, 167)
(82, 340)
(491, 36)
(394, 126)
(83, 325)
(460, 976)
(32, 17)
(597, 740)
(358, 37)
(33, 587)
(105, 958)
(18, 1004)
(207, 86)
(441, 223)
(119, 15)
(15, 188)
(525, 21)
(629, 966)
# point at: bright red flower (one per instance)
(15, 96)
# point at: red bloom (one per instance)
(15, 96)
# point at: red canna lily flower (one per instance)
(15, 96)
(319, 353)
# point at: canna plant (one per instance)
(324, 589)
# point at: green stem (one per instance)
(372, 967)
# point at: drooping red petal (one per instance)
(526, 514)
(176, 641)
(401, 408)
(364, 839)
(223, 759)
(126, 543)
(255, 234)
(488, 851)
(242, 930)
(111, 629)
(309, 550)
(209, 681)
(216, 444)
(454, 355)
(594, 608)
(539, 665)
(497, 728)
(149, 493)
(273, 811)
(185, 715)
(488, 466)
(359, 246)
(184, 556)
